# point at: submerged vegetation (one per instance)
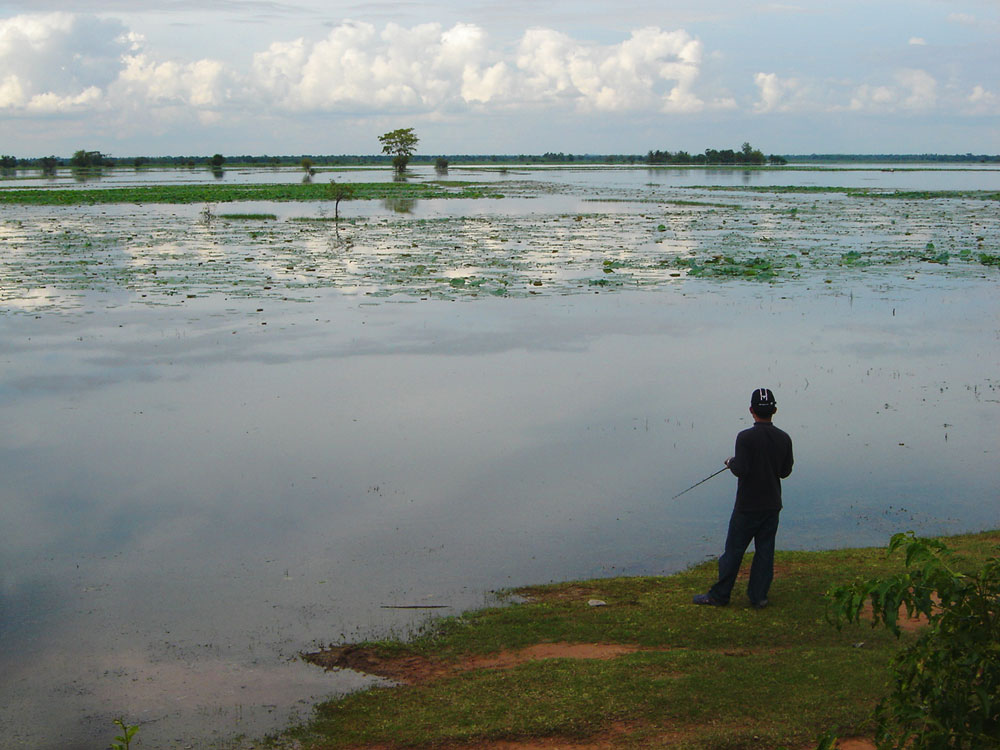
(153, 243)
(985, 195)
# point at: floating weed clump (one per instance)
(758, 268)
(249, 217)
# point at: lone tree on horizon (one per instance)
(401, 142)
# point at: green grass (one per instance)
(180, 194)
(249, 217)
(705, 678)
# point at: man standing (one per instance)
(763, 458)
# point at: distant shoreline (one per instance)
(499, 160)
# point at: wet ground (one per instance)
(231, 440)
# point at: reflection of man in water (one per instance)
(763, 458)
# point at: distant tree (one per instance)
(441, 164)
(8, 162)
(751, 155)
(140, 161)
(777, 161)
(217, 160)
(339, 191)
(307, 164)
(89, 159)
(400, 143)
(48, 164)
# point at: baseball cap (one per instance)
(762, 397)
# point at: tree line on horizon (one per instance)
(746, 156)
(95, 160)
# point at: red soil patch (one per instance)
(408, 669)
(509, 659)
(412, 669)
(903, 620)
(779, 571)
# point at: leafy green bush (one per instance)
(946, 685)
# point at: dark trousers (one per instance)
(760, 526)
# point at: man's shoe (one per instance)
(759, 605)
(707, 599)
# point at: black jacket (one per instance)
(762, 459)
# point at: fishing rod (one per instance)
(701, 482)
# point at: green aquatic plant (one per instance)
(758, 268)
(123, 741)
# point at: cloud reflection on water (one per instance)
(178, 485)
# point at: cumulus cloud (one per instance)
(429, 67)
(872, 97)
(652, 67)
(357, 68)
(919, 89)
(58, 62)
(963, 18)
(983, 101)
(50, 103)
(775, 93)
(62, 62)
(198, 84)
(918, 41)
(913, 89)
(979, 94)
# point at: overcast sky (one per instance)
(179, 77)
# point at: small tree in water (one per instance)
(401, 143)
(339, 191)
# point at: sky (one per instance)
(197, 77)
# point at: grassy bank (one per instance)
(645, 669)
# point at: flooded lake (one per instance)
(230, 440)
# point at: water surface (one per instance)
(195, 489)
